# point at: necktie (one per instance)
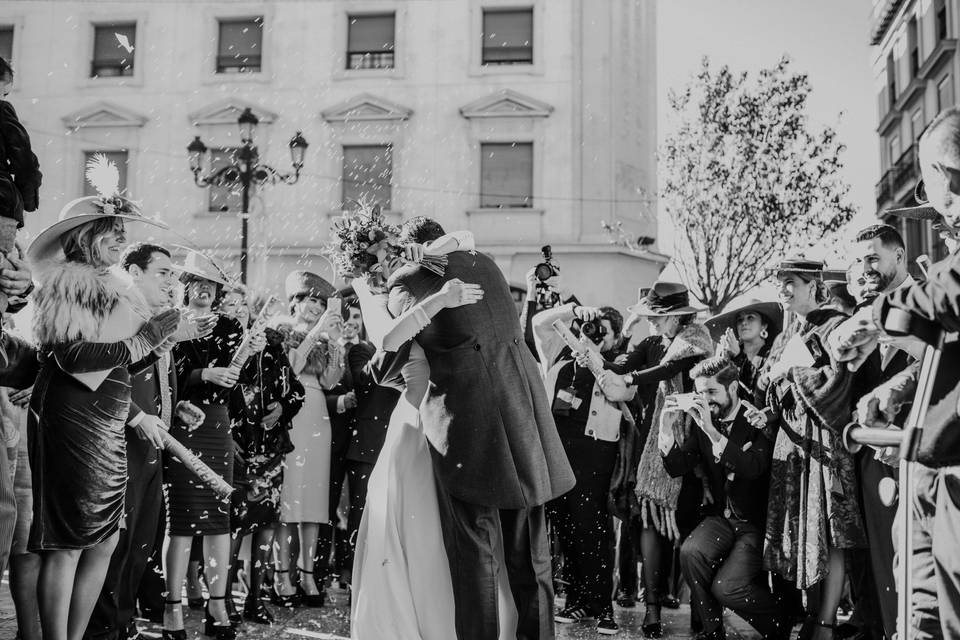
(163, 373)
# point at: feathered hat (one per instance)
(200, 265)
(104, 176)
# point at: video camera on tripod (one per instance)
(547, 297)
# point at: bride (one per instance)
(401, 579)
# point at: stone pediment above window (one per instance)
(227, 111)
(103, 114)
(366, 107)
(506, 104)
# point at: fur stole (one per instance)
(653, 482)
(74, 300)
(292, 338)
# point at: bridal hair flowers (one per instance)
(358, 237)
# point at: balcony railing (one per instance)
(370, 59)
(905, 170)
(884, 190)
(238, 64)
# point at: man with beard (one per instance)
(936, 566)
(721, 560)
(881, 265)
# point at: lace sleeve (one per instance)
(383, 330)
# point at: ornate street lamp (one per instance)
(245, 171)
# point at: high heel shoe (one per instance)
(256, 611)
(313, 600)
(215, 629)
(288, 601)
(232, 614)
(652, 629)
(176, 634)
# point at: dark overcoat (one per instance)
(486, 413)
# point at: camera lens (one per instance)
(544, 272)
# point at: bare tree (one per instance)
(745, 178)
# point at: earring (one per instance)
(764, 334)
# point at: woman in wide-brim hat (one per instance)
(813, 509)
(207, 381)
(678, 342)
(312, 334)
(89, 326)
(745, 333)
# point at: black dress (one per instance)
(77, 446)
(194, 508)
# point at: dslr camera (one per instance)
(546, 297)
(593, 331)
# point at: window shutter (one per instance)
(371, 33)
(106, 47)
(506, 175)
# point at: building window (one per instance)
(944, 93)
(119, 158)
(507, 36)
(371, 41)
(891, 81)
(6, 42)
(226, 198)
(913, 47)
(894, 149)
(113, 46)
(240, 46)
(367, 175)
(940, 11)
(506, 175)
(916, 124)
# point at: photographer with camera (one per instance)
(545, 290)
(594, 433)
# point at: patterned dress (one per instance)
(813, 502)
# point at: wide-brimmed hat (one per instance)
(308, 284)
(772, 312)
(921, 211)
(79, 212)
(200, 265)
(796, 264)
(664, 299)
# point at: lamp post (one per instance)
(245, 171)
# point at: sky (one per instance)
(827, 39)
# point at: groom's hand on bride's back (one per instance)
(457, 293)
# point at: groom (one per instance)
(496, 453)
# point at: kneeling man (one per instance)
(722, 559)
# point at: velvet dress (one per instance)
(194, 508)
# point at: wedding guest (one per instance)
(89, 327)
(206, 379)
(317, 358)
(744, 333)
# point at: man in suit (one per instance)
(497, 455)
(153, 396)
(922, 310)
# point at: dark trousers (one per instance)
(936, 562)
(152, 584)
(583, 525)
(878, 520)
(471, 535)
(722, 562)
(116, 605)
(358, 476)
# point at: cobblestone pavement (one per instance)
(332, 623)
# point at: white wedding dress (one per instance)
(402, 587)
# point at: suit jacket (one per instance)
(486, 413)
(745, 459)
(142, 455)
(934, 301)
(375, 405)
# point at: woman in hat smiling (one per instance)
(89, 325)
(745, 333)
(316, 356)
(668, 505)
(813, 514)
(206, 379)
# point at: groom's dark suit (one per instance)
(496, 452)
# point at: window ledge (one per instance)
(365, 74)
(892, 116)
(506, 70)
(941, 52)
(112, 82)
(258, 77)
(510, 210)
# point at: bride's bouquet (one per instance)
(361, 237)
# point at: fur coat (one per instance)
(77, 301)
(653, 482)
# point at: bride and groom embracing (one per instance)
(453, 541)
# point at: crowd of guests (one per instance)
(708, 450)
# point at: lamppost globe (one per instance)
(298, 147)
(248, 125)
(197, 151)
